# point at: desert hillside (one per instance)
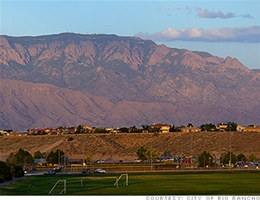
(124, 146)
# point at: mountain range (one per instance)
(69, 79)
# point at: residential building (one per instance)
(164, 128)
(190, 129)
(221, 126)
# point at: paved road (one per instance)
(11, 181)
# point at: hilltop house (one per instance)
(190, 129)
(251, 128)
(164, 128)
(87, 129)
(221, 126)
(37, 131)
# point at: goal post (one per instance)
(117, 180)
(64, 186)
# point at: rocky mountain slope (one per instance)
(106, 80)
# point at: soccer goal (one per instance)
(126, 180)
(63, 188)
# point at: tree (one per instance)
(241, 157)
(55, 157)
(208, 127)
(124, 130)
(252, 158)
(5, 173)
(190, 125)
(205, 159)
(172, 128)
(100, 130)
(146, 153)
(11, 160)
(232, 126)
(38, 154)
(226, 158)
(52, 158)
(133, 129)
(146, 127)
(156, 129)
(79, 129)
(23, 157)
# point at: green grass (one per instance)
(183, 183)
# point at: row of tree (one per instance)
(204, 159)
(13, 167)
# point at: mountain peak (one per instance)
(141, 82)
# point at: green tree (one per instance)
(190, 125)
(252, 158)
(172, 128)
(79, 129)
(11, 160)
(208, 127)
(156, 129)
(146, 127)
(38, 154)
(52, 158)
(205, 159)
(5, 173)
(23, 157)
(100, 130)
(124, 130)
(133, 129)
(232, 126)
(226, 158)
(146, 153)
(55, 157)
(241, 157)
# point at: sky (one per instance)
(222, 28)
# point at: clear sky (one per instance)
(222, 28)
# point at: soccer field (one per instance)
(174, 183)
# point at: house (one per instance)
(39, 131)
(240, 128)
(164, 128)
(190, 129)
(70, 130)
(221, 126)
(109, 129)
(4, 132)
(39, 161)
(87, 129)
(251, 128)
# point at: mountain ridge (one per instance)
(128, 72)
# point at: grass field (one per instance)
(183, 183)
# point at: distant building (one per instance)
(191, 129)
(164, 128)
(39, 161)
(221, 126)
(87, 128)
(251, 128)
